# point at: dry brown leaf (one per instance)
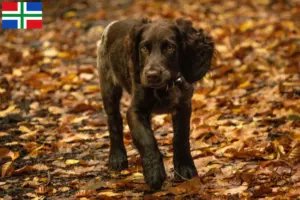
(40, 167)
(5, 152)
(51, 52)
(84, 193)
(29, 136)
(22, 170)
(294, 154)
(43, 190)
(59, 163)
(55, 110)
(94, 184)
(192, 186)
(109, 194)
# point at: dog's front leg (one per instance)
(184, 167)
(142, 135)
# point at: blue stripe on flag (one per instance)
(34, 6)
(9, 23)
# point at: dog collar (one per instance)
(171, 84)
(174, 82)
(178, 80)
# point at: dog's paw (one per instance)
(183, 172)
(154, 173)
(118, 160)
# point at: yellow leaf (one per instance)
(15, 156)
(91, 89)
(36, 151)
(270, 156)
(125, 172)
(64, 189)
(64, 54)
(70, 14)
(246, 26)
(246, 84)
(138, 174)
(216, 91)
(11, 109)
(7, 169)
(24, 129)
(78, 24)
(71, 162)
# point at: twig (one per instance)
(49, 178)
(180, 175)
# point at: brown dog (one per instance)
(156, 62)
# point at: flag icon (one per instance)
(22, 15)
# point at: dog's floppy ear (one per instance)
(197, 51)
(133, 46)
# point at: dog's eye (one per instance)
(144, 49)
(170, 48)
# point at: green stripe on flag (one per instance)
(22, 18)
(19, 15)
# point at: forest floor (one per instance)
(245, 136)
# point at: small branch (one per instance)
(49, 178)
(180, 175)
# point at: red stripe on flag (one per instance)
(34, 24)
(9, 6)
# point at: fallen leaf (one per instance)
(72, 162)
(22, 170)
(11, 109)
(5, 152)
(84, 193)
(7, 169)
(43, 190)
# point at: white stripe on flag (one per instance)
(30, 12)
(13, 18)
(14, 12)
(29, 18)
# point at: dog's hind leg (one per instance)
(111, 95)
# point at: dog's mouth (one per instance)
(155, 85)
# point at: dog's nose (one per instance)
(153, 76)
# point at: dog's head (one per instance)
(162, 51)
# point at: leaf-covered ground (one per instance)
(245, 136)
